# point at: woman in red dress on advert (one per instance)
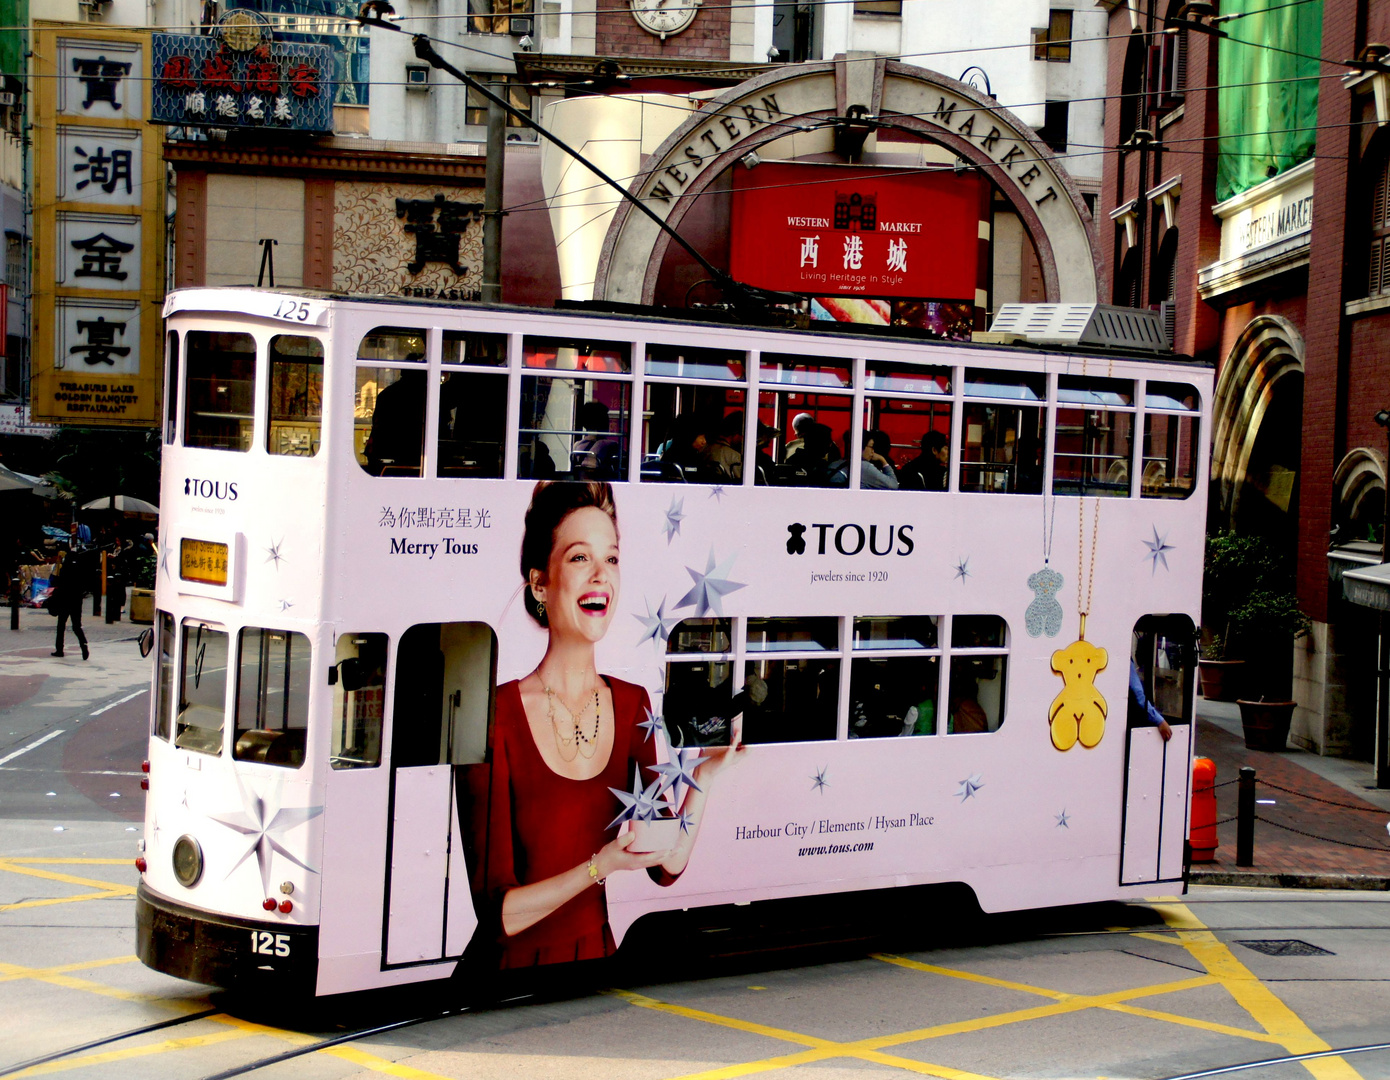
(563, 736)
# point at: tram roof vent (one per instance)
(1104, 325)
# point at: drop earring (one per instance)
(540, 608)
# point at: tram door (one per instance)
(1158, 774)
(445, 674)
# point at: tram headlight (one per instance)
(188, 861)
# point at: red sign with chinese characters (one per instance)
(828, 230)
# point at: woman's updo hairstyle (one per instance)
(551, 503)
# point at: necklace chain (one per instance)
(585, 744)
(1083, 600)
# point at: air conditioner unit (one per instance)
(521, 24)
(1102, 325)
(417, 77)
(7, 98)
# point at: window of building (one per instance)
(1167, 71)
(389, 411)
(1171, 423)
(699, 682)
(506, 87)
(1379, 282)
(202, 704)
(894, 678)
(296, 396)
(693, 420)
(575, 428)
(1001, 432)
(799, 660)
(495, 16)
(272, 697)
(472, 405)
(164, 687)
(15, 263)
(219, 390)
(359, 701)
(1056, 116)
(1095, 436)
(1054, 42)
(808, 415)
(1131, 102)
(979, 665)
(878, 7)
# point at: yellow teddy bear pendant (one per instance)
(1078, 711)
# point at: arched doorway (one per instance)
(1259, 424)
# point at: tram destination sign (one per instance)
(203, 561)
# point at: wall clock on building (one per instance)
(663, 17)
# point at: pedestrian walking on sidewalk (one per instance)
(73, 584)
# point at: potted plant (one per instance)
(1248, 591)
(142, 589)
(1220, 674)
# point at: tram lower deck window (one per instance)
(202, 705)
(359, 701)
(894, 677)
(163, 704)
(799, 661)
(979, 666)
(272, 699)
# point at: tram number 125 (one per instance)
(267, 944)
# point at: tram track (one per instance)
(106, 1040)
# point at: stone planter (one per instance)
(1266, 724)
(142, 606)
(1221, 679)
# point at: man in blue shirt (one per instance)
(1139, 701)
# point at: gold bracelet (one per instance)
(593, 870)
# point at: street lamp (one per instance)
(1383, 652)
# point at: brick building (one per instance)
(1221, 128)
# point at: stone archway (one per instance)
(808, 97)
(1358, 479)
(1268, 352)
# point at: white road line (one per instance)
(70, 772)
(128, 697)
(26, 749)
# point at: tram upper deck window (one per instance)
(574, 428)
(693, 429)
(219, 390)
(895, 677)
(171, 385)
(296, 396)
(801, 435)
(799, 660)
(907, 412)
(1095, 436)
(359, 701)
(1171, 423)
(202, 688)
(389, 411)
(163, 705)
(472, 405)
(699, 682)
(979, 665)
(272, 697)
(1002, 425)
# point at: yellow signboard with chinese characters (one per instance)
(203, 561)
(98, 273)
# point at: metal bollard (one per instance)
(14, 602)
(1245, 818)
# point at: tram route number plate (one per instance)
(265, 943)
(204, 561)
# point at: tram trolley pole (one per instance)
(1245, 818)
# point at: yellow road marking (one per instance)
(27, 861)
(52, 900)
(1058, 995)
(63, 969)
(1163, 939)
(1253, 996)
(69, 879)
(70, 983)
(380, 1064)
(164, 1046)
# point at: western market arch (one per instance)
(811, 97)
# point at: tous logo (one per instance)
(851, 539)
(222, 490)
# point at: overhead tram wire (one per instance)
(94, 1043)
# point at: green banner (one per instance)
(1268, 97)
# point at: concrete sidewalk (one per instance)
(1325, 828)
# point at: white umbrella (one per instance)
(127, 503)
